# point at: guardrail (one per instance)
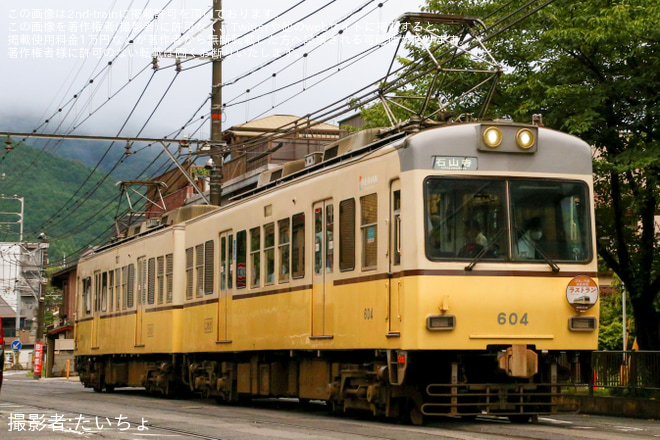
(629, 370)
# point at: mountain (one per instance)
(47, 184)
(89, 153)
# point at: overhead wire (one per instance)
(107, 175)
(261, 40)
(370, 91)
(126, 211)
(266, 23)
(357, 10)
(71, 102)
(98, 164)
(168, 88)
(349, 61)
(305, 42)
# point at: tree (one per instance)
(592, 68)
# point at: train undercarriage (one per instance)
(406, 385)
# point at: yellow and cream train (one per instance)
(450, 271)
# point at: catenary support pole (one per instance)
(216, 104)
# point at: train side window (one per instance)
(151, 281)
(396, 239)
(160, 263)
(104, 292)
(255, 260)
(318, 236)
(124, 287)
(199, 270)
(269, 252)
(141, 280)
(369, 227)
(298, 246)
(230, 274)
(223, 263)
(209, 257)
(130, 285)
(169, 273)
(189, 273)
(111, 289)
(117, 289)
(284, 249)
(347, 235)
(241, 248)
(329, 238)
(87, 294)
(97, 291)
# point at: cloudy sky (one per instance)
(51, 51)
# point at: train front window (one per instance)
(468, 219)
(465, 219)
(550, 219)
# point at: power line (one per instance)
(261, 40)
(264, 24)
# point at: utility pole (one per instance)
(216, 106)
(38, 346)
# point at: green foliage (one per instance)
(610, 336)
(45, 189)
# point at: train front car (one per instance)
(499, 302)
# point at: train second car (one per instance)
(445, 272)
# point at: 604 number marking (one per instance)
(512, 319)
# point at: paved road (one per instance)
(61, 409)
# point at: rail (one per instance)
(625, 370)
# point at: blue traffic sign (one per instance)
(16, 345)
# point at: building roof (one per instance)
(5, 309)
(277, 123)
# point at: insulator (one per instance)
(154, 63)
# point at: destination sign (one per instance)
(455, 163)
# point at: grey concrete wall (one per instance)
(617, 406)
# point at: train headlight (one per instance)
(492, 137)
(525, 138)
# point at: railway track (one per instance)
(388, 432)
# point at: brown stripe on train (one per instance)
(272, 292)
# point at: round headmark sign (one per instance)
(582, 293)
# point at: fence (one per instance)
(629, 370)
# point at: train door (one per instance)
(141, 299)
(227, 258)
(323, 267)
(395, 285)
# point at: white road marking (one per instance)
(158, 435)
(564, 422)
(628, 428)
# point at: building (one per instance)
(268, 142)
(60, 342)
(254, 147)
(20, 279)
